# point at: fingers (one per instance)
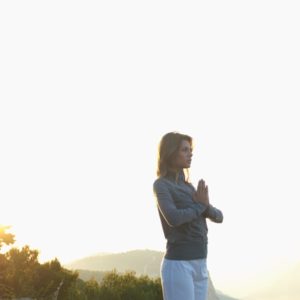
(202, 189)
(201, 185)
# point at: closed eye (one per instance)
(186, 149)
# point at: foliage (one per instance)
(21, 275)
(116, 286)
(6, 238)
(129, 287)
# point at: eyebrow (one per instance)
(186, 147)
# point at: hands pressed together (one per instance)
(201, 195)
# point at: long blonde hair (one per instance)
(167, 151)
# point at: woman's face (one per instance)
(184, 156)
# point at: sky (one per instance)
(87, 90)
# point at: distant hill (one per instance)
(284, 286)
(87, 275)
(143, 262)
(140, 261)
(222, 296)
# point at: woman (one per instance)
(183, 211)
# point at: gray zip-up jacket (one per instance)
(183, 220)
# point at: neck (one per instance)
(176, 170)
(176, 174)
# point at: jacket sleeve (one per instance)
(214, 214)
(173, 215)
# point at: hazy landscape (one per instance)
(281, 286)
(143, 262)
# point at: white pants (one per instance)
(184, 279)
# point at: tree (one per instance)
(6, 238)
(22, 267)
(92, 290)
(127, 286)
(21, 275)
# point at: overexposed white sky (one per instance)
(87, 89)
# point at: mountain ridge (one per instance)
(141, 261)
